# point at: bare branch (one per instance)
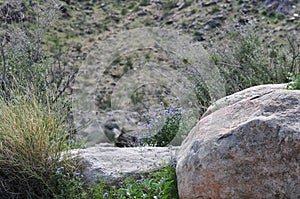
(295, 50)
(230, 65)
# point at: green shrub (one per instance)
(144, 2)
(19, 73)
(69, 184)
(245, 61)
(295, 82)
(124, 11)
(202, 93)
(169, 4)
(169, 130)
(160, 184)
(25, 68)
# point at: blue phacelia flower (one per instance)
(105, 195)
(173, 164)
(60, 169)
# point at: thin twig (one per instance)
(231, 65)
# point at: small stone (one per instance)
(170, 21)
(180, 5)
(211, 24)
(279, 28)
(210, 3)
(198, 39)
(291, 19)
(142, 13)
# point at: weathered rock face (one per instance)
(114, 163)
(249, 148)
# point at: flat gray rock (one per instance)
(115, 163)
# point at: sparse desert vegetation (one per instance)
(43, 45)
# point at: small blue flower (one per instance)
(173, 164)
(76, 174)
(171, 109)
(141, 180)
(139, 140)
(105, 195)
(60, 169)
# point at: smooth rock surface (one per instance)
(248, 147)
(115, 163)
(242, 95)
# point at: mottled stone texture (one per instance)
(249, 148)
(113, 163)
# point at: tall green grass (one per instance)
(32, 139)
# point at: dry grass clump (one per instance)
(32, 139)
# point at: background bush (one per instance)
(245, 61)
(25, 66)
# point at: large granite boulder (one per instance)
(113, 163)
(246, 146)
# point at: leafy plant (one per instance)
(68, 184)
(160, 184)
(156, 185)
(169, 130)
(244, 61)
(295, 82)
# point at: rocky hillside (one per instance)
(83, 29)
(126, 73)
(84, 23)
